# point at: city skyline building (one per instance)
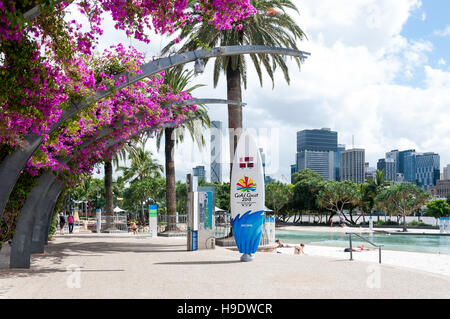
(337, 162)
(352, 165)
(369, 171)
(216, 152)
(316, 150)
(199, 171)
(427, 169)
(441, 190)
(394, 156)
(446, 172)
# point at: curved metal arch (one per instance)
(31, 225)
(43, 210)
(13, 163)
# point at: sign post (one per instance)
(98, 214)
(247, 197)
(153, 220)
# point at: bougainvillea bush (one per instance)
(47, 61)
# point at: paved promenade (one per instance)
(126, 266)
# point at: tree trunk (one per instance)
(109, 206)
(234, 92)
(404, 222)
(171, 200)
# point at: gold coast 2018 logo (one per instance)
(246, 185)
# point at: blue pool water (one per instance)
(415, 243)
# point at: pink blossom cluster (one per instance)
(145, 104)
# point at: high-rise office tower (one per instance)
(446, 173)
(381, 164)
(401, 160)
(337, 161)
(409, 167)
(369, 171)
(352, 165)
(316, 151)
(427, 169)
(199, 171)
(390, 172)
(216, 152)
(394, 155)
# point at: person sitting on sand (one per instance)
(298, 250)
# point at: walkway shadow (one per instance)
(200, 262)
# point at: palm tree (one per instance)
(271, 26)
(142, 166)
(177, 80)
(129, 148)
(375, 185)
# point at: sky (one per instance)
(379, 71)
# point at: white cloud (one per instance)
(349, 84)
(443, 33)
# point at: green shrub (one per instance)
(416, 223)
(386, 223)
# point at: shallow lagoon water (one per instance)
(414, 243)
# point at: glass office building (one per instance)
(427, 170)
(199, 171)
(317, 140)
(352, 165)
(401, 160)
(316, 150)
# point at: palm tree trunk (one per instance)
(171, 199)
(234, 92)
(109, 207)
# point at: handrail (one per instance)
(365, 239)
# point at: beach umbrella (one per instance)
(267, 210)
(118, 210)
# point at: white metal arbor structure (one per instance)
(12, 164)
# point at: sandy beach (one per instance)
(433, 263)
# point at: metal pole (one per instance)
(379, 250)
(351, 249)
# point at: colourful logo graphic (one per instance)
(246, 184)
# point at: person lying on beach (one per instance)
(358, 248)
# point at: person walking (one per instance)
(62, 222)
(70, 220)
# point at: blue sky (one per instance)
(379, 71)
(423, 23)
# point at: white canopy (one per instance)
(268, 210)
(217, 209)
(118, 210)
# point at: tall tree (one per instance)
(278, 195)
(403, 198)
(438, 208)
(178, 80)
(270, 26)
(335, 196)
(129, 148)
(142, 166)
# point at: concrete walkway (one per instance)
(126, 266)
